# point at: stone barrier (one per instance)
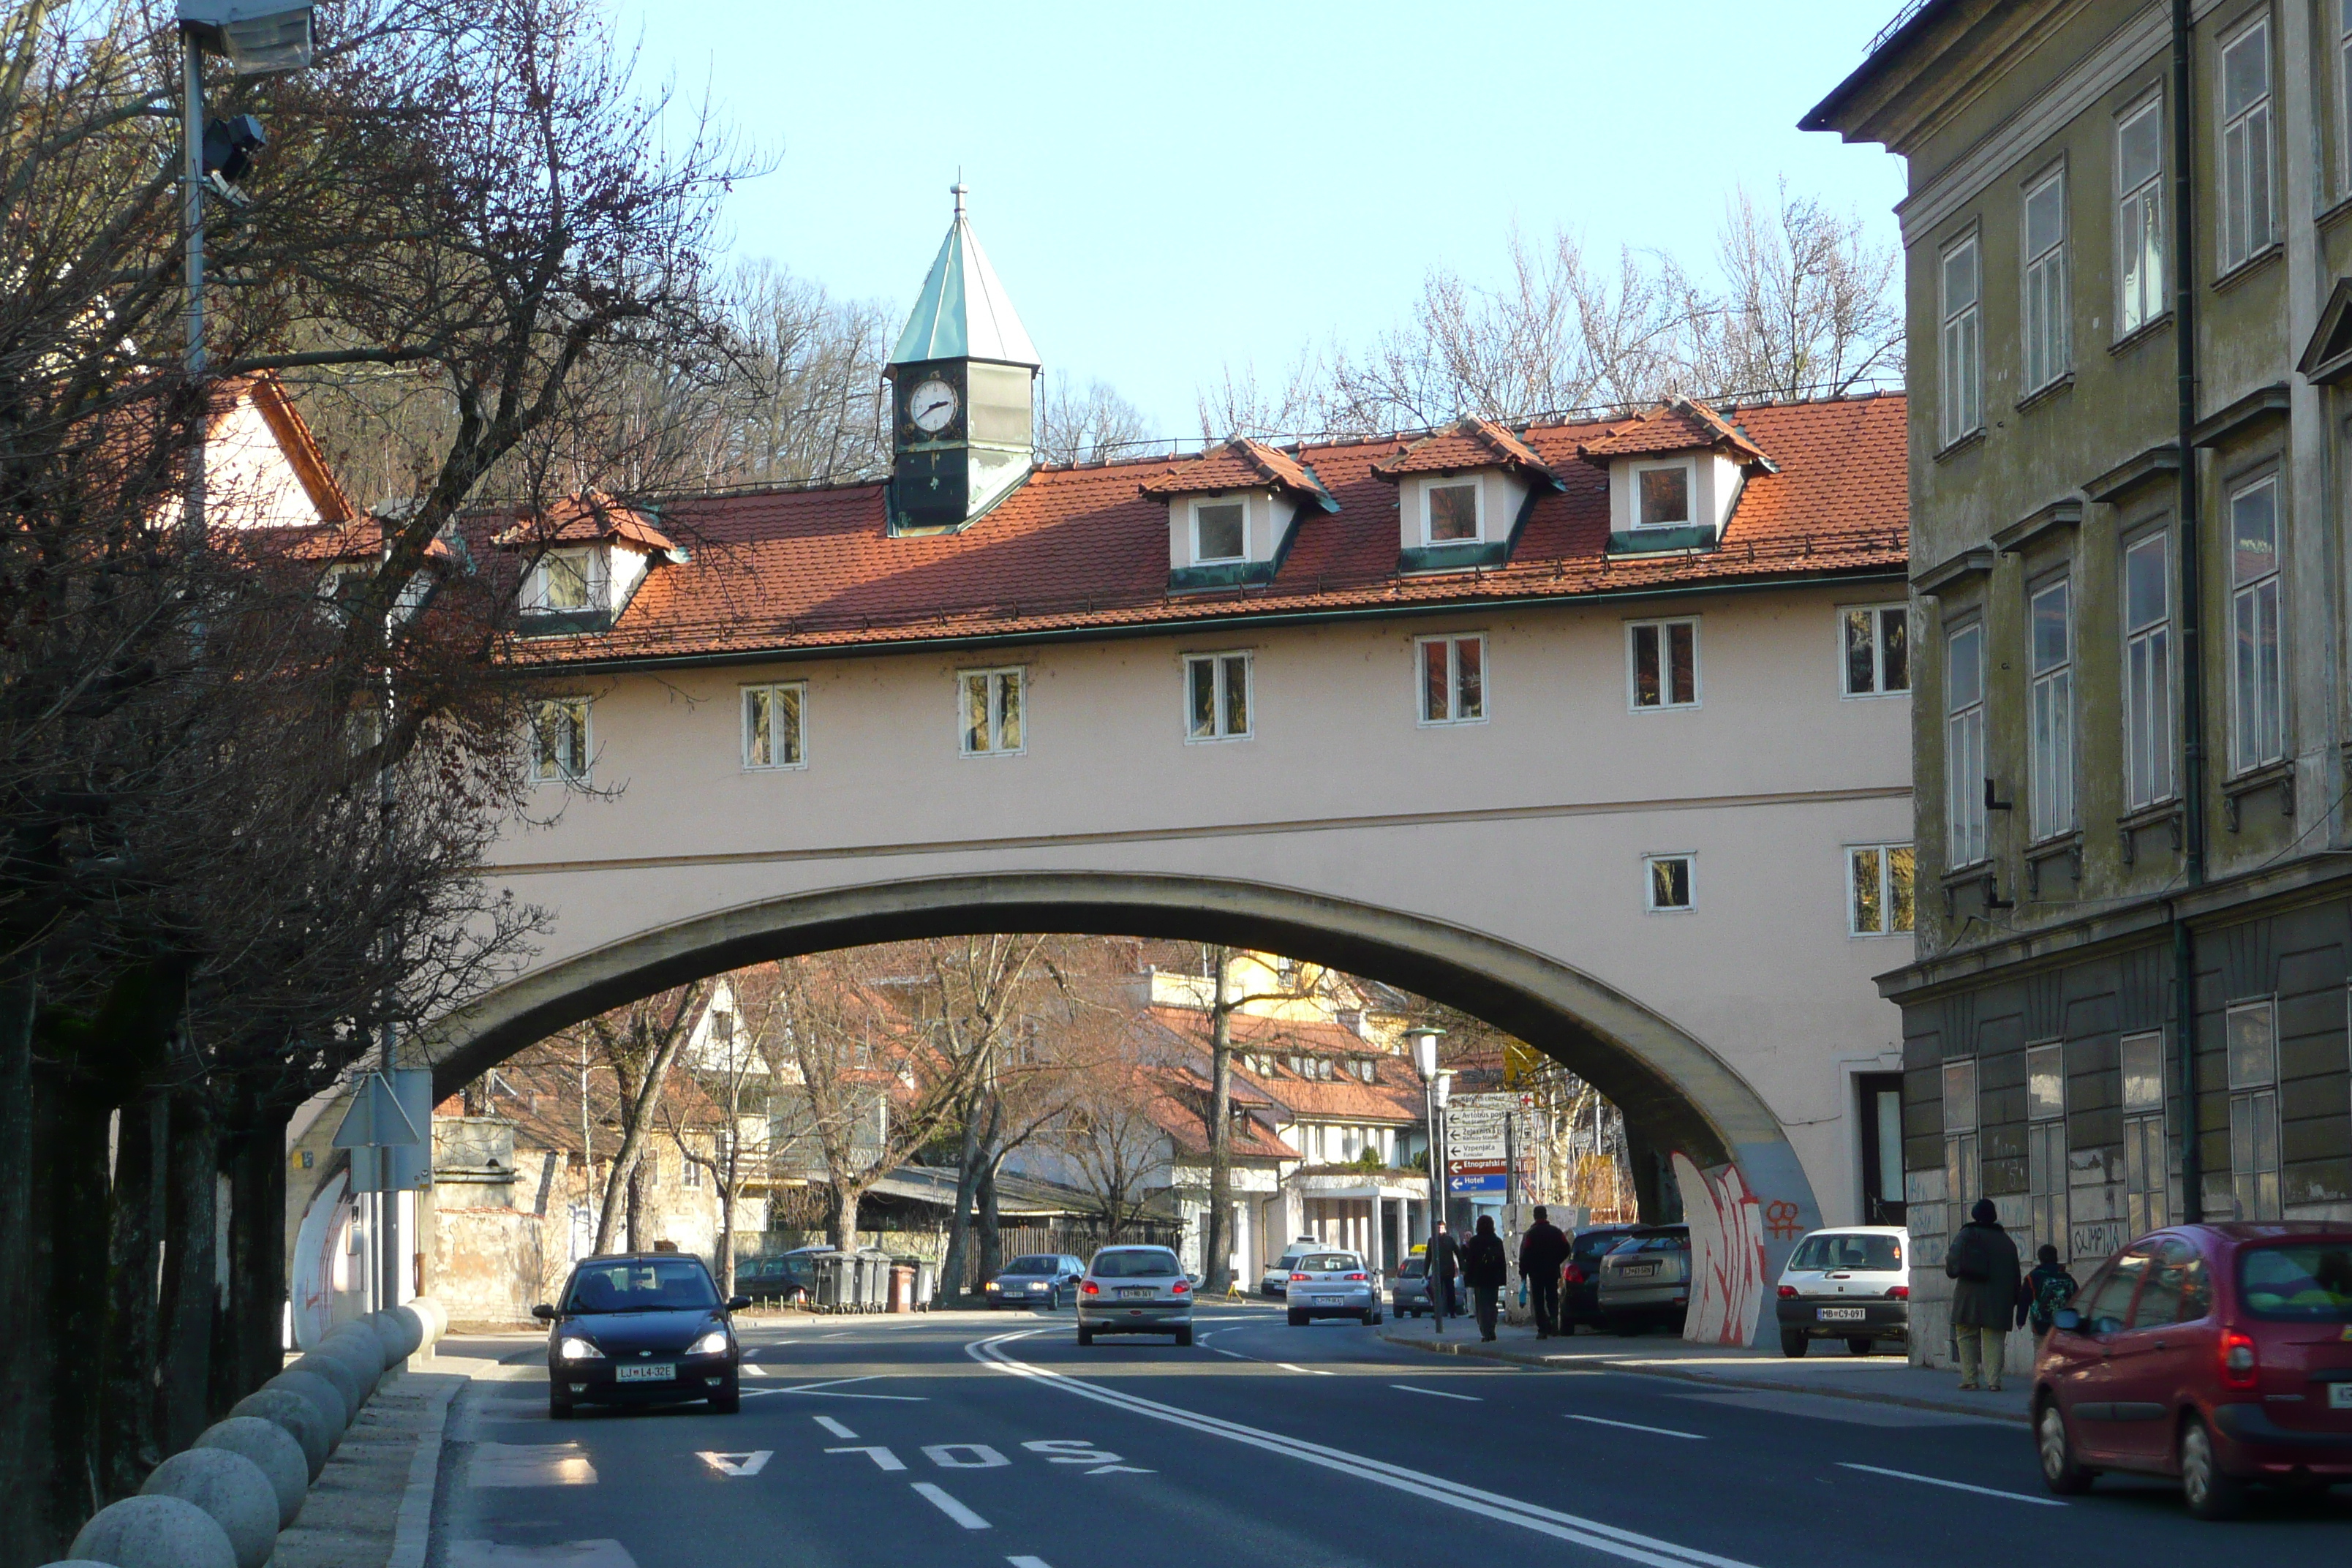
(154, 1532)
(229, 1487)
(274, 1451)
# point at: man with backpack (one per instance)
(1982, 1259)
(1542, 1250)
(2046, 1289)
(1488, 1267)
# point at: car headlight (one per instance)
(571, 1349)
(712, 1343)
(990, 1286)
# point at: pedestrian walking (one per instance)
(1982, 1259)
(2046, 1289)
(1542, 1252)
(1443, 1259)
(1485, 1267)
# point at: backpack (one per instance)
(2051, 1292)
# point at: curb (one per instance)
(412, 1529)
(1712, 1380)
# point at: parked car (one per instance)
(2220, 1354)
(782, 1277)
(1135, 1290)
(1041, 1278)
(1852, 1284)
(1645, 1280)
(642, 1328)
(1409, 1292)
(1332, 1284)
(1277, 1278)
(1580, 1277)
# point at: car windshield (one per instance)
(1032, 1266)
(1289, 1262)
(1145, 1263)
(1415, 1268)
(1828, 1251)
(2306, 1282)
(640, 1286)
(1594, 1245)
(1330, 1263)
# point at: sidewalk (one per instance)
(1829, 1370)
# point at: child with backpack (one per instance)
(2041, 1293)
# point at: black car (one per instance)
(1579, 1278)
(642, 1328)
(1038, 1279)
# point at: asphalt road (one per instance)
(962, 1439)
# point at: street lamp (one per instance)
(1424, 1041)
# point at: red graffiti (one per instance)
(1781, 1219)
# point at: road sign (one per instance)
(374, 1126)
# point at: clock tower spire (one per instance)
(963, 381)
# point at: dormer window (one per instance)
(1451, 513)
(1219, 532)
(566, 580)
(591, 555)
(1665, 496)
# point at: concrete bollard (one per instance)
(342, 1379)
(359, 1352)
(229, 1487)
(397, 1334)
(360, 1337)
(297, 1416)
(273, 1451)
(415, 1330)
(436, 1315)
(154, 1532)
(76, 1562)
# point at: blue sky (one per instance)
(1166, 190)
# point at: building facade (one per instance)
(2128, 266)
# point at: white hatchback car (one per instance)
(1135, 1290)
(1851, 1284)
(1328, 1284)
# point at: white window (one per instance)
(2051, 712)
(2147, 670)
(2146, 1170)
(2045, 1144)
(992, 718)
(559, 741)
(565, 579)
(2248, 224)
(1875, 640)
(1450, 513)
(2258, 731)
(1662, 664)
(1962, 1183)
(1961, 383)
(1662, 495)
(345, 579)
(774, 725)
(1668, 880)
(690, 1172)
(2048, 352)
(1219, 532)
(2139, 216)
(1217, 697)
(1879, 884)
(1453, 679)
(1964, 745)
(2254, 1109)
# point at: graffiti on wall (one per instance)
(1727, 1234)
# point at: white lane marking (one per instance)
(1437, 1393)
(750, 1464)
(831, 1388)
(1821, 1407)
(1636, 1426)
(843, 1335)
(529, 1465)
(1235, 1354)
(1956, 1486)
(1029, 1563)
(1294, 1366)
(947, 1505)
(977, 1457)
(883, 1458)
(836, 1427)
(1630, 1546)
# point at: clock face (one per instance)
(931, 406)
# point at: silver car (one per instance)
(1333, 1285)
(1135, 1290)
(1645, 1280)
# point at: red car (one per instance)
(2217, 1353)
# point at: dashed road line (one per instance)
(1956, 1486)
(1437, 1393)
(1636, 1426)
(937, 1497)
(1312, 1371)
(836, 1427)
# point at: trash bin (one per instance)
(925, 1283)
(902, 1286)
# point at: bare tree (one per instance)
(1086, 425)
(733, 1073)
(640, 1044)
(1112, 1141)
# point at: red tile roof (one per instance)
(1076, 551)
(1393, 1096)
(586, 520)
(361, 539)
(1472, 443)
(1240, 464)
(1677, 427)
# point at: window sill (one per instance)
(2066, 845)
(2131, 824)
(1463, 555)
(1682, 538)
(2329, 217)
(2045, 392)
(2225, 281)
(1973, 438)
(2278, 775)
(2141, 333)
(563, 623)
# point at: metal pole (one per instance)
(1436, 1172)
(192, 223)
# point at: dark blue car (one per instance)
(642, 1328)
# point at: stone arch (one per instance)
(1738, 1176)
